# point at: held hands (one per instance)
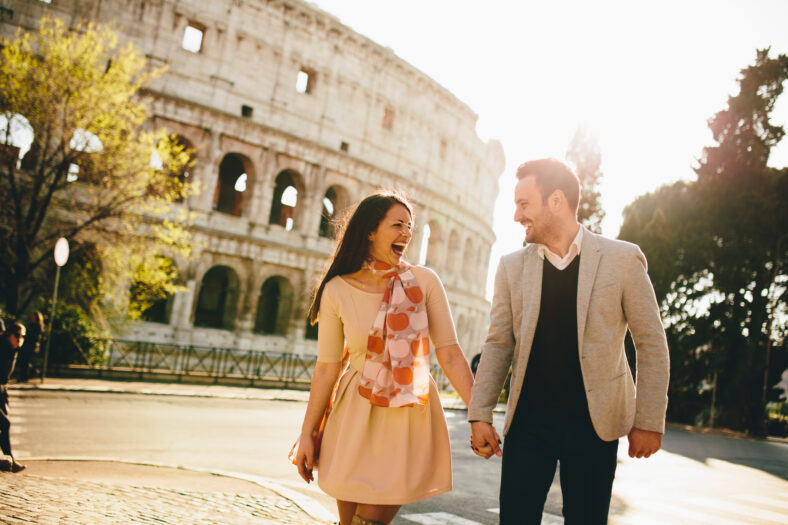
(485, 441)
(643, 443)
(305, 457)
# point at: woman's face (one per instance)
(389, 242)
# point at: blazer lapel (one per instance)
(589, 262)
(532, 296)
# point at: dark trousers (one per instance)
(5, 423)
(533, 446)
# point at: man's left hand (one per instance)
(643, 443)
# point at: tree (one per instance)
(585, 155)
(77, 161)
(712, 246)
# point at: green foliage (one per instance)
(90, 173)
(585, 155)
(717, 251)
(75, 338)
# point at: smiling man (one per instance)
(561, 309)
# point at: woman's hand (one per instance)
(305, 457)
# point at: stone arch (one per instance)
(185, 174)
(288, 197)
(16, 137)
(434, 244)
(217, 300)
(334, 201)
(469, 261)
(274, 306)
(454, 255)
(233, 184)
(160, 311)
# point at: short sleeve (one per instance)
(442, 331)
(330, 330)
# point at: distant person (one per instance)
(386, 442)
(10, 342)
(561, 309)
(31, 346)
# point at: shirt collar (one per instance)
(574, 248)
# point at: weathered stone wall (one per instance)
(367, 119)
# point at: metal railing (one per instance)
(159, 360)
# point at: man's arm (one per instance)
(496, 352)
(493, 368)
(653, 360)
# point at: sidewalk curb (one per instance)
(149, 392)
(305, 503)
(454, 404)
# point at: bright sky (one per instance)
(644, 77)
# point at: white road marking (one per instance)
(658, 514)
(439, 518)
(769, 502)
(745, 511)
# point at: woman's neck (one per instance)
(367, 280)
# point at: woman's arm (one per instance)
(323, 379)
(458, 371)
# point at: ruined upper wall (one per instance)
(362, 98)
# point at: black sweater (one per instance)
(553, 382)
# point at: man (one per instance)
(10, 343)
(560, 312)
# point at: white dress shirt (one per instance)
(562, 262)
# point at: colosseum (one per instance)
(294, 116)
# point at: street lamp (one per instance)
(61, 256)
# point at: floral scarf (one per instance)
(397, 367)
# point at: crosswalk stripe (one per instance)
(748, 511)
(769, 502)
(654, 514)
(552, 519)
(547, 518)
(439, 518)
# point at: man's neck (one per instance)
(563, 240)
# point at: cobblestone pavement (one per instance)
(45, 500)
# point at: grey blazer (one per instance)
(613, 293)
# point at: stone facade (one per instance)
(293, 117)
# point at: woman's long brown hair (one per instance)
(353, 239)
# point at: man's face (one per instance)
(16, 339)
(532, 212)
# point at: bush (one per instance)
(75, 338)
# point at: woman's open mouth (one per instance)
(398, 248)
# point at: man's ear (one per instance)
(555, 200)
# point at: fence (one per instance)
(144, 360)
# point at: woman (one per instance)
(31, 347)
(385, 442)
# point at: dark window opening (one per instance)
(285, 201)
(217, 299)
(231, 186)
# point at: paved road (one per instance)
(697, 478)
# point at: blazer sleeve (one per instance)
(496, 352)
(653, 360)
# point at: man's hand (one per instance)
(485, 441)
(643, 443)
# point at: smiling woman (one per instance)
(377, 316)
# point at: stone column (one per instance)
(264, 190)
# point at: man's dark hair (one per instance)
(15, 328)
(550, 175)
